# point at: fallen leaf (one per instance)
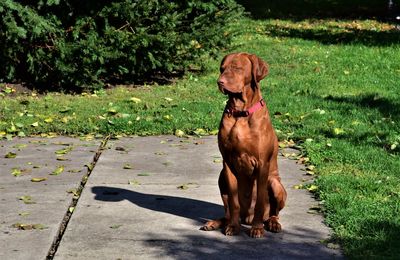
(24, 214)
(89, 166)
(58, 170)
(144, 174)
(312, 188)
(10, 155)
(27, 199)
(20, 146)
(338, 131)
(298, 187)
(127, 166)
(60, 158)
(200, 131)
(71, 209)
(38, 179)
(16, 172)
(217, 160)
(22, 226)
(187, 185)
(303, 160)
(310, 167)
(214, 132)
(112, 111)
(63, 151)
(167, 117)
(183, 187)
(310, 172)
(160, 153)
(134, 182)
(73, 191)
(135, 100)
(179, 133)
(116, 226)
(36, 124)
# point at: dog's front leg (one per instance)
(233, 225)
(257, 227)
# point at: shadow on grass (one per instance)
(335, 35)
(375, 236)
(309, 9)
(388, 109)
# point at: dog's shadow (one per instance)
(196, 210)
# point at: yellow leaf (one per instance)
(127, 166)
(167, 117)
(338, 131)
(10, 155)
(58, 170)
(312, 188)
(48, 120)
(134, 182)
(38, 179)
(298, 187)
(16, 172)
(135, 100)
(36, 124)
(179, 133)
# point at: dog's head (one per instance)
(239, 71)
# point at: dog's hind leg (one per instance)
(277, 198)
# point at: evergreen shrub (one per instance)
(70, 44)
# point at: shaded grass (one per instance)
(306, 9)
(339, 99)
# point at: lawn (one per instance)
(333, 89)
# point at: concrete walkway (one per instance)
(146, 198)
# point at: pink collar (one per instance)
(244, 113)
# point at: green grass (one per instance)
(333, 88)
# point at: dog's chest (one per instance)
(237, 138)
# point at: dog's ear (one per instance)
(259, 68)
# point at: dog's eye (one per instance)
(221, 69)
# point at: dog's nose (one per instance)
(221, 82)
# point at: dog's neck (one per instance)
(244, 100)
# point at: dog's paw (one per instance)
(273, 225)
(257, 232)
(232, 230)
(211, 225)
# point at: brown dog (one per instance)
(249, 182)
